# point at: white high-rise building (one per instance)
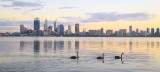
(69, 29)
(58, 29)
(46, 25)
(22, 29)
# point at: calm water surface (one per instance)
(51, 54)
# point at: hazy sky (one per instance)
(91, 14)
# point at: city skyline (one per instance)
(115, 14)
(59, 31)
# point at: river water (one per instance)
(52, 54)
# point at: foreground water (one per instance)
(51, 54)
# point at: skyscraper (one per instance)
(101, 31)
(58, 29)
(46, 25)
(22, 29)
(55, 25)
(69, 29)
(137, 32)
(61, 29)
(36, 24)
(50, 30)
(152, 32)
(77, 28)
(148, 30)
(130, 30)
(124, 31)
(157, 32)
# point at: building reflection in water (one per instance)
(45, 46)
(76, 45)
(69, 45)
(157, 44)
(148, 44)
(25, 44)
(22, 43)
(61, 45)
(36, 46)
(55, 45)
(130, 45)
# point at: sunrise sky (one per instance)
(90, 14)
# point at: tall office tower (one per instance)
(124, 31)
(101, 31)
(61, 29)
(50, 30)
(77, 28)
(58, 29)
(46, 25)
(152, 32)
(148, 30)
(137, 32)
(69, 29)
(157, 33)
(55, 25)
(130, 30)
(22, 29)
(36, 24)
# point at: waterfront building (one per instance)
(119, 33)
(77, 28)
(130, 30)
(69, 30)
(46, 26)
(109, 32)
(22, 29)
(124, 31)
(61, 29)
(157, 32)
(36, 25)
(101, 31)
(55, 22)
(50, 30)
(152, 32)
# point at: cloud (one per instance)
(23, 4)
(9, 28)
(71, 18)
(33, 5)
(67, 7)
(108, 17)
(7, 0)
(39, 8)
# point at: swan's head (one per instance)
(122, 53)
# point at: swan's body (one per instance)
(101, 57)
(119, 57)
(74, 57)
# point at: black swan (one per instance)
(119, 57)
(101, 57)
(75, 57)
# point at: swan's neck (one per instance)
(121, 55)
(103, 55)
(77, 54)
